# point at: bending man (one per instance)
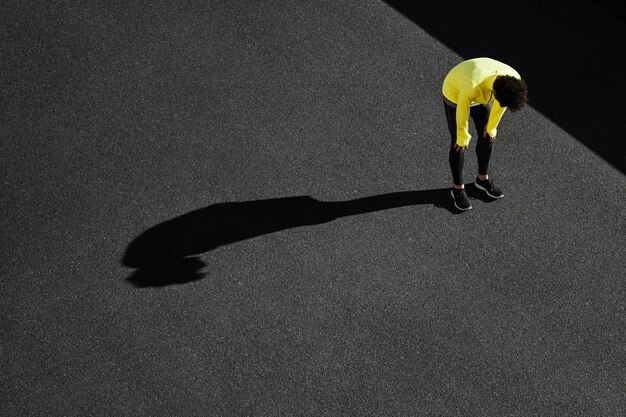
(480, 88)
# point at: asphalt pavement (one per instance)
(242, 209)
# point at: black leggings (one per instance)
(480, 115)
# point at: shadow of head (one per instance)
(176, 271)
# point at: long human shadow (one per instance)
(166, 253)
(570, 54)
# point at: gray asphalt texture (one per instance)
(297, 152)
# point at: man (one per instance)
(480, 88)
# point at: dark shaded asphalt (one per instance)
(570, 55)
(297, 154)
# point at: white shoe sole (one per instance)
(480, 187)
(454, 199)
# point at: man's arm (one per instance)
(462, 118)
(494, 118)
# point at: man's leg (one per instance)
(455, 158)
(480, 115)
(484, 147)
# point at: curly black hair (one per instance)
(510, 92)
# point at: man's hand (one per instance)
(460, 149)
(485, 134)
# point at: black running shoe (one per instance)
(460, 199)
(489, 187)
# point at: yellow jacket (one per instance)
(471, 83)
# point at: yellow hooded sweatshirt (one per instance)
(471, 83)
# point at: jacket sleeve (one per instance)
(494, 118)
(462, 118)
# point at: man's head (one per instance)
(510, 92)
